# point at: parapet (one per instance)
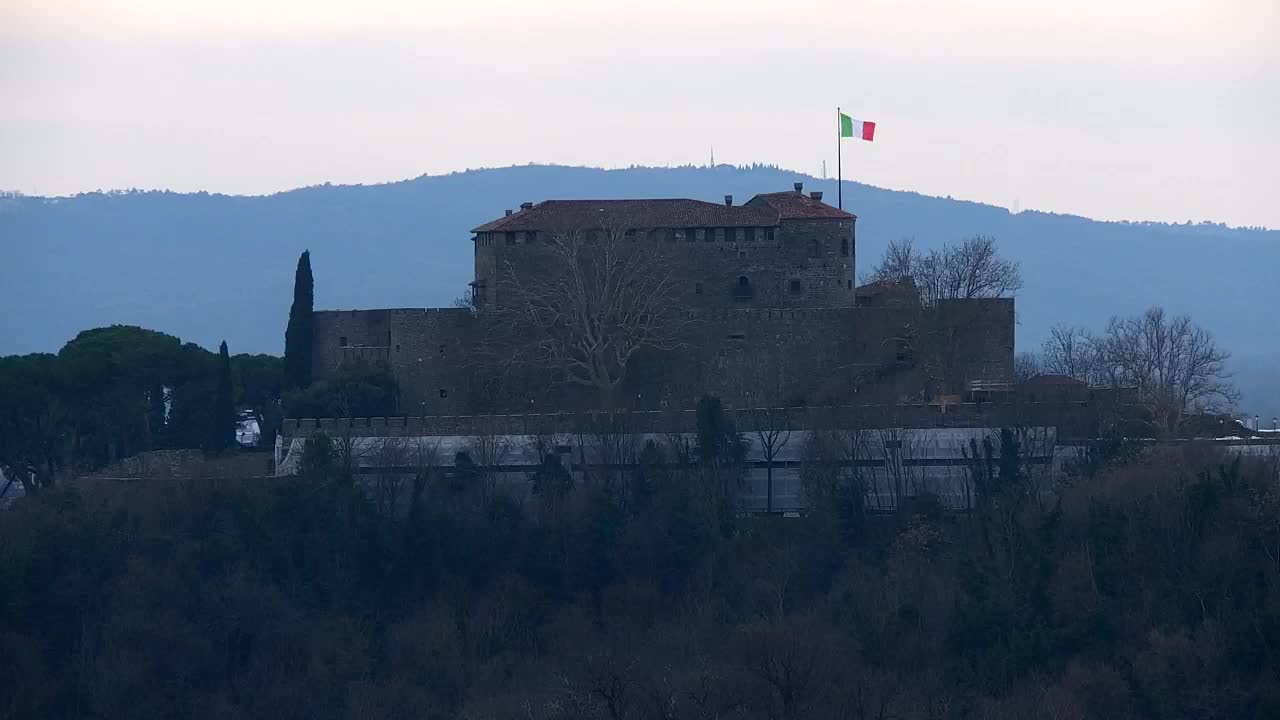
(1073, 418)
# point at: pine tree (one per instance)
(224, 409)
(298, 335)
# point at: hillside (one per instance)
(207, 267)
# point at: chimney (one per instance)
(508, 213)
(799, 187)
(816, 195)
(526, 206)
(728, 200)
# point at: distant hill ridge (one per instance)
(208, 266)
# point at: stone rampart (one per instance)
(1072, 420)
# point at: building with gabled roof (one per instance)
(779, 250)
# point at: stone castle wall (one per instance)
(428, 350)
(814, 356)
(1071, 419)
(818, 254)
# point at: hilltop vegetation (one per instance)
(116, 391)
(209, 266)
(1142, 590)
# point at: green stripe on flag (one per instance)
(846, 126)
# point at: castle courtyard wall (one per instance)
(813, 356)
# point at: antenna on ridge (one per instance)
(824, 169)
(713, 154)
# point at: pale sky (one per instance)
(1114, 109)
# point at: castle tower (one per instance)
(778, 250)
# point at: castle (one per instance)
(763, 294)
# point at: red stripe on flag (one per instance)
(868, 130)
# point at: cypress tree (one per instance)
(298, 335)
(224, 409)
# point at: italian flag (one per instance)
(850, 128)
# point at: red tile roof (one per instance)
(761, 211)
(587, 214)
(797, 206)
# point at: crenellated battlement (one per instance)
(1074, 419)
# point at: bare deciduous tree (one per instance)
(971, 269)
(388, 478)
(1026, 366)
(933, 340)
(763, 387)
(773, 429)
(595, 298)
(1070, 351)
(897, 450)
(488, 449)
(1175, 364)
(900, 263)
(615, 447)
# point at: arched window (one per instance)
(742, 291)
(815, 251)
(844, 246)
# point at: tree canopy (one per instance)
(116, 391)
(299, 332)
(1139, 591)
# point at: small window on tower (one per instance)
(342, 341)
(768, 234)
(444, 393)
(795, 287)
(697, 288)
(844, 246)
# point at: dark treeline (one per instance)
(116, 391)
(1143, 588)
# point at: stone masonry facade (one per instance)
(768, 290)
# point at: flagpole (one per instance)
(839, 171)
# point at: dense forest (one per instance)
(1147, 586)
